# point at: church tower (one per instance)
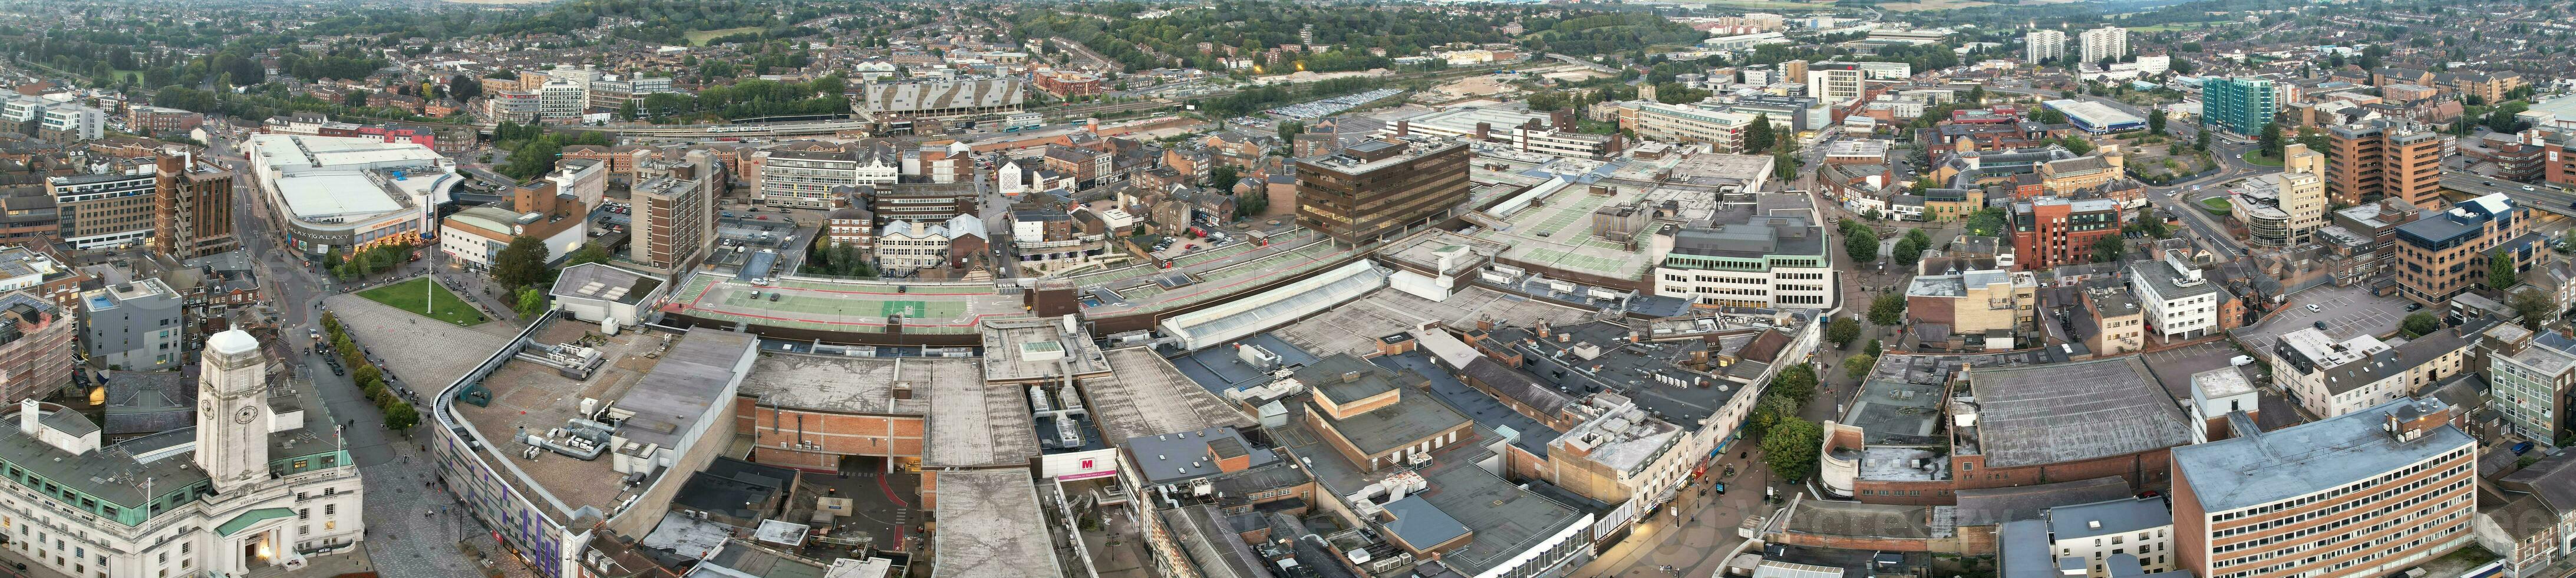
(232, 411)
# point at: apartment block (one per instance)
(2104, 43)
(674, 210)
(105, 211)
(2384, 159)
(2238, 104)
(2331, 378)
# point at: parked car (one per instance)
(2519, 448)
(2321, 325)
(2315, 308)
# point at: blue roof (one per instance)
(759, 265)
(1422, 525)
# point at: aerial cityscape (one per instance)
(1288, 289)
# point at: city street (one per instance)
(404, 540)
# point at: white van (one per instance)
(2241, 360)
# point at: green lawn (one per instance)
(407, 296)
(2216, 206)
(2256, 156)
(699, 37)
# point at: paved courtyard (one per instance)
(412, 531)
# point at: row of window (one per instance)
(2378, 549)
(2332, 494)
(2334, 526)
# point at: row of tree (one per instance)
(399, 414)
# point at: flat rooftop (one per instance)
(848, 306)
(1619, 366)
(337, 178)
(668, 392)
(1506, 520)
(2072, 412)
(1900, 403)
(1355, 327)
(990, 526)
(2259, 468)
(1556, 232)
(985, 426)
(1148, 396)
(838, 383)
(1209, 275)
(1020, 350)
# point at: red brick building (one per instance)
(2051, 231)
(1069, 84)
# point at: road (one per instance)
(395, 473)
(2208, 231)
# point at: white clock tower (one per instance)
(232, 411)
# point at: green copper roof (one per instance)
(252, 517)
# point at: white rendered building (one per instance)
(262, 481)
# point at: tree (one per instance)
(2420, 323)
(2076, 143)
(2156, 121)
(1888, 310)
(1289, 130)
(1223, 177)
(521, 264)
(1842, 330)
(2500, 272)
(401, 416)
(1796, 382)
(1907, 252)
(2271, 140)
(1251, 203)
(1790, 447)
(532, 302)
(2200, 141)
(365, 373)
(1857, 366)
(1873, 348)
(2109, 248)
(1988, 222)
(1919, 237)
(586, 254)
(354, 98)
(1758, 137)
(1860, 247)
(2534, 306)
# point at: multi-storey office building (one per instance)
(2367, 493)
(2445, 253)
(2053, 231)
(1752, 261)
(1378, 188)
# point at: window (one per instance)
(304, 514)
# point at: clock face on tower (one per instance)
(245, 415)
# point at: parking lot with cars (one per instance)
(2345, 311)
